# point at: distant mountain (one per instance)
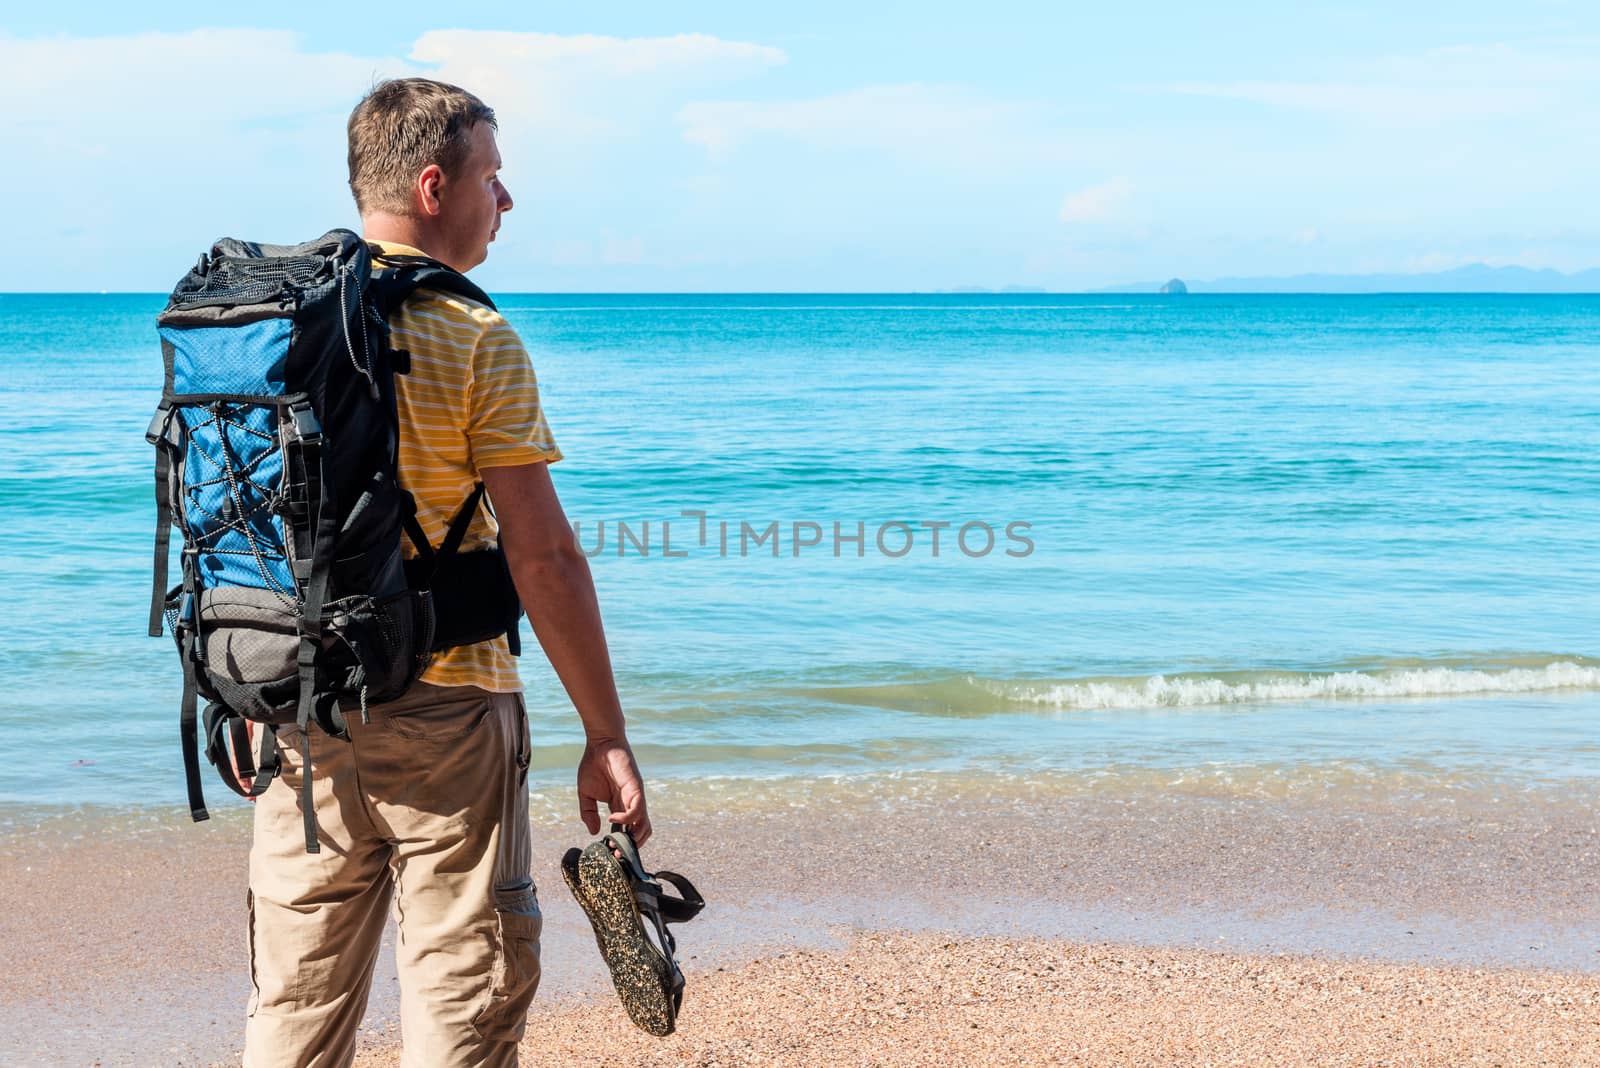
(1474, 278)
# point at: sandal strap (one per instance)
(676, 910)
(622, 840)
(675, 982)
(646, 887)
(653, 900)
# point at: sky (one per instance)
(828, 146)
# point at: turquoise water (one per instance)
(1273, 543)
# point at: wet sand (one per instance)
(1261, 921)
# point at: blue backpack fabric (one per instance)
(277, 462)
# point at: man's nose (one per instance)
(505, 201)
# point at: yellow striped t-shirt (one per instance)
(470, 402)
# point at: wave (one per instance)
(972, 695)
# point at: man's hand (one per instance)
(608, 773)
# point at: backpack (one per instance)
(277, 441)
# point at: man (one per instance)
(426, 806)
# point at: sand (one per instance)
(895, 999)
(888, 920)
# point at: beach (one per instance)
(945, 920)
(1263, 732)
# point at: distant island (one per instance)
(1474, 278)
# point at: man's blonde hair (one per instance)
(402, 126)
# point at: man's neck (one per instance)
(399, 230)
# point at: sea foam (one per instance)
(1161, 691)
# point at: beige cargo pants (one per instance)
(424, 808)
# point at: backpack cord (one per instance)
(232, 477)
(349, 346)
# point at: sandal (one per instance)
(620, 897)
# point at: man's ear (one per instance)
(429, 183)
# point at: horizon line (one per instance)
(966, 292)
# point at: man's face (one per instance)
(472, 200)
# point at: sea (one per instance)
(1298, 547)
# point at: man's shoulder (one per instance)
(455, 307)
(453, 310)
(429, 307)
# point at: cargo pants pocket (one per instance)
(438, 717)
(515, 977)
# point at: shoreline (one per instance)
(123, 936)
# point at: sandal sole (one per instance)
(637, 968)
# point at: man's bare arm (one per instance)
(557, 590)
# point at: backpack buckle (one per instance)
(306, 427)
(187, 624)
(156, 432)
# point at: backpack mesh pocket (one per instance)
(236, 280)
(387, 641)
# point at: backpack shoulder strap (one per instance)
(394, 278)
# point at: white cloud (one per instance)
(160, 141)
(651, 150)
(683, 55)
(1401, 104)
(585, 86)
(1098, 203)
(1448, 84)
(174, 85)
(949, 123)
(1573, 62)
(188, 85)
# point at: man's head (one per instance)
(424, 168)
